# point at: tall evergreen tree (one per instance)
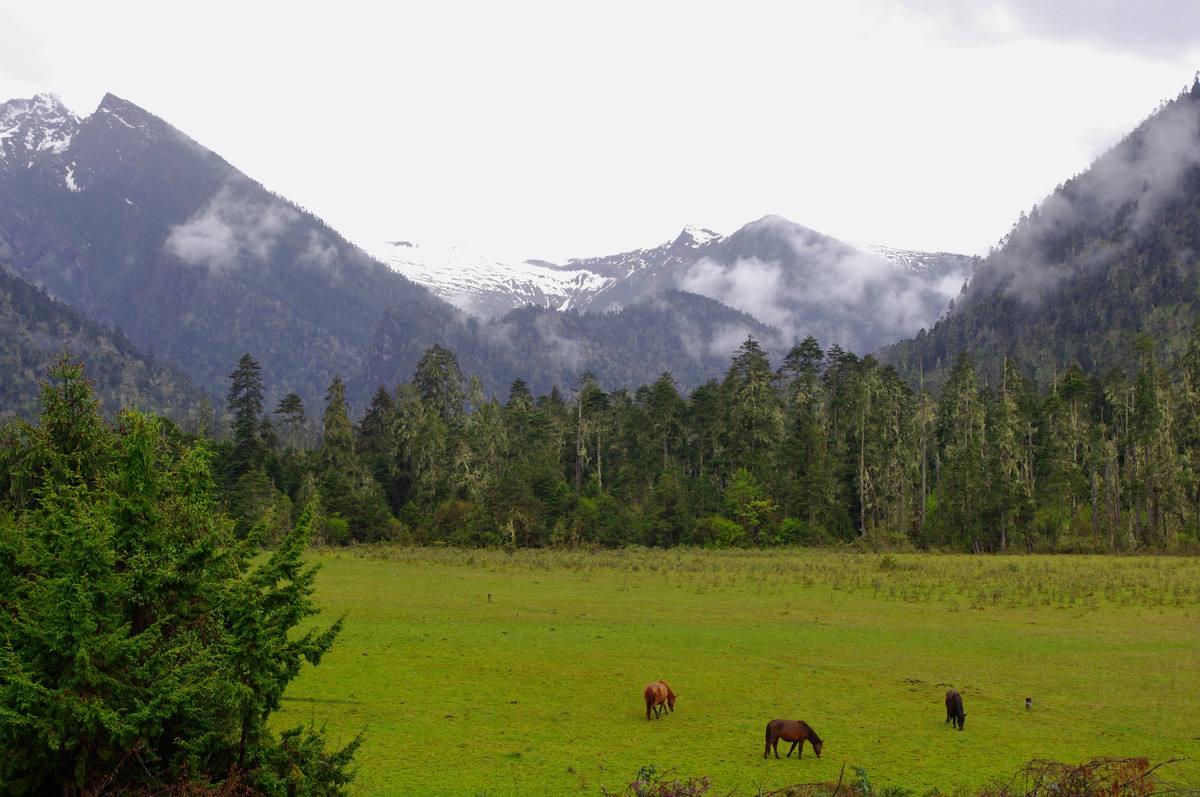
(755, 418)
(439, 383)
(337, 433)
(246, 403)
(376, 423)
(349, 494)
(292, 419)
(962, 478)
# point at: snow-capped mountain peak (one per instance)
(774, 269)
(491, 286)
(698, 235)
(40, 140)
(488, 286)
(35, 125)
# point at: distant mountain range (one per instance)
(784, 274)
(136, 226)
(134, 246)
(143, 231)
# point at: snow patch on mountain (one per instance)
(947, 272)
(700, 235)
(484, 285)
(69, 179)
(490, 286)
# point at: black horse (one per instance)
(954, 709)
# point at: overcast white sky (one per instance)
(563, 129)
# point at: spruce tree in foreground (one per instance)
(140, 646)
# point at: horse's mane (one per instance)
(812, 735)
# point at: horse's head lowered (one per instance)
(816, 741)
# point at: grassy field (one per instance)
(538, 690)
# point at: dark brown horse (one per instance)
(794, 731)
(659, 697)
(954, 710)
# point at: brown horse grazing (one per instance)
(794, 731)
(954, 710)
(658, 697)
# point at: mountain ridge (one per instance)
(138, 225)
(135, 224)
(490, 287)
(1105, 258)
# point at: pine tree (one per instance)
(376, 424)
(439, 382)
(962, 479)
(664, 411)
(485, 445)
(292, 419)
(246, 402)
(1010, 467)
(337, 433)
(811, 493)
(755, 420)
(348, 492)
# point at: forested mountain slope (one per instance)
(690, 336)
(35, 330)
(1111, 254)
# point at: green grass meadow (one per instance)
(539, 690)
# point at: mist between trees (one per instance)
(827, 448)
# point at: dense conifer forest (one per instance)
(823, 448)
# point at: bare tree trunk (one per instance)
(579, 448)
(924, 469)
(1114, 502)
(1095, 506)
(862, 471)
